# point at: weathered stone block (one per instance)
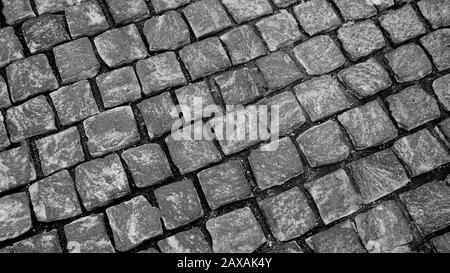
(5, 101)
(316, 16)
(437, 12)
(52, 6)
(11, 47)
(246, 10)
(189, 98)
(47, 242)
(157, 114)
(16, 168)
(124, 12)
(191, 241)
(16, 11)
(163, 5)
(356, 9)
(437, 43)
(402, 24)
(86, 19)
(15, 217)
(441, 87)
(279, 70)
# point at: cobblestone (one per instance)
(16, 11)
(11, 47)
(15, 215)
(442, 243)
(441, 87)
(436, 43)
(16, 168)
(86, 19)
(437, 12)
(355, 9)
(163, 5)
(124, 12)
(186, 97)
(47, 242)
(317, 16)
(5, 101)
(246, 10)
(156, 112)
(191, 241)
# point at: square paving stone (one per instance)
(243, 44)
(133, 222)
(179, 204)
(246, 10)
(74, 103)
(55, 198)
(166, 32)
(206, 17)
(32, 118)
(160, 72)
(322, 97)
(421, 152)
(365, 79)
(437, 12)
(341, 238)
(47, 242)
(120, 46)
(4, 139)
(86, 19)
(5, 101)
(429, 206)
(111, 131)
(288, 214)
(148, 165)
(15, 217)
(384, 229)
(189, 98)
(441, 87)
(29, 77)
(291, 247)
(191, 241)
(413, 107)
(119, 86)
(157, 113)
(409, 63)
(334, 195)
(437, 44)
(225, 184)
(236, 232)
(275, 163)
(279, 30)
(368, 125)
(101, 181)
(16, 11)
(60, 151)
(16, 168)
(52, 6)
(12, 49)
(378, 175)
(356, 9)
(317, 16)
(402, 24)
(361, 39)
(124, 12)
(163, 5)
(88, 235)
(442, 243)
(279, 70)
(44, 32)
(204, 58)
(319, 55)
(324, 144)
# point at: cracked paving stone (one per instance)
(12, 49)
(88, 235)
(74, 103)
(279, 30)
(133, 222)
(442, 243)
(246, 10)
(236, 232)
(334, 195)
(378, 175)
(60, 151)
(275, 163)
(413, 107)
(52, 6)
(365, 79)
(179, 204)
(160, 72)
(341, 238)
(384, 229)
(317, 16)
(288, 214)
(188, 97)
(32, 118)
(47, 242)
(157, 113)
(166, 32)
(5, 101)
(243, 44)
(322, 97)
(44, 32)
(319, 55)
(191, 241)
(124, 12)
(356, 9)
(324, 144)
(291, 247)
(16, 168)
(409, 63)
(279, 70)
(29, 77)
(15, 217)
(206, 17)
(86, 19)
(111, 131)
(204, 58)
(101, 181)
(148, 165)
(16, 11)
(54, 198)
(429, 206)
(76, 60)
(437, 44)
(437, 12)
(225, 184)
(4, 139)
(421, 152)
(163, 5)
(368, 125)
(441, 87)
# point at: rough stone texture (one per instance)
(16, 168)
(437, 12)
(191, 241)
(246, 10)
(284, 3)
(101, 181)
(86, 19)
(402, 24)
(236, 232)
(189, 97)
(157, 114)
(124, 12)
(356, 9)
(291, 247)
(437, 43)
(4, 139)
(16, 11)
(441, 87)
(316, 16)
(163, 5)
(442, 243)
(5, 101)
(288, 214)
(443, 129)
(133, 222)
(206, 17)
(54, 198)
(51, 6)
(11, 47)
(47, 242)
(334, 196)
(179, 204)
(368, 125)
(15, 217)
(324, 144)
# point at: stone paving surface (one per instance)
(89, 161)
